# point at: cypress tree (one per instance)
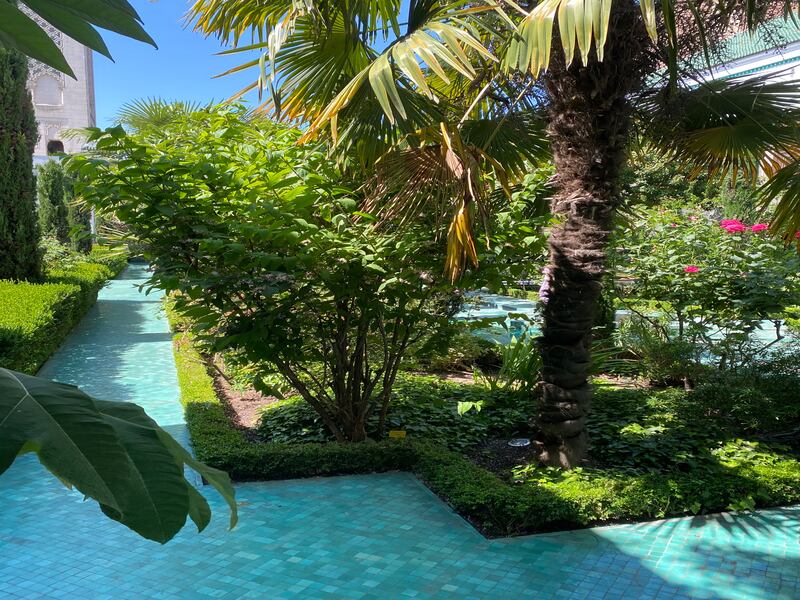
(20, 257)
(50, 190)
(79, 218)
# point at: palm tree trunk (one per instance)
(589, 131)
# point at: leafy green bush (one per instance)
(710, 283)
(115, 258)
(270, 255)
(751, 400)
(453, 350)
(51, 192)
(793, 319)
(56, 255)
(661, 359)
(37, 317)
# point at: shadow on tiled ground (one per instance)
(372, 537)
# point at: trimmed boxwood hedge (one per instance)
(571, 500)
(36, 317)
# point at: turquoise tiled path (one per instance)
(370, 537)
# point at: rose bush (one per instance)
(705, 282)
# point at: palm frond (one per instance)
(783, 189)
(153, 114)
(737, 127)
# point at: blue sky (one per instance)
(181, 69)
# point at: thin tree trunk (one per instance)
(589, 132)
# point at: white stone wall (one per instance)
(61, 102)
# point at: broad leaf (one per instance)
(110, 451)
(19, 32)
(74, 18)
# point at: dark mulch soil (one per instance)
(497, 456)
(244, 406)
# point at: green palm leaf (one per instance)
(739, 127)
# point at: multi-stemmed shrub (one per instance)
(265, 249)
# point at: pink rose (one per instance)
(691, 269)
(759, 227)
(797, 235)
(728, 222)
(735, 227)
(673, 224)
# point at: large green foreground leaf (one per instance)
(76, 18)
(110, 451)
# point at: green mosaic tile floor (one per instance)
(370, 537)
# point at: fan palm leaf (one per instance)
(741, 127)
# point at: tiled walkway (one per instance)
(371, 537)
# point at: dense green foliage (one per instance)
(269, 255)
(80, 226)
(115, 258)
(37, 316)
(19, 229)
(656, 453)
(699, 288)
(422, 406)
(51, 193)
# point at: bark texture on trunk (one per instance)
(589, 129)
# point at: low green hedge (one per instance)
(36, 317)
(116, 259)
(743, 475)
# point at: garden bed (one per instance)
(650, 458)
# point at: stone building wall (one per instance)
(61, 102)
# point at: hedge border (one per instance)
(77, 289)
(494, 507)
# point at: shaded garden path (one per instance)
(373, 537)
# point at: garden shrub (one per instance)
(750, 400)
(271, 257)
(454, 350)
(51, 192)
(702, 287)
(34, 319)
(115, 258)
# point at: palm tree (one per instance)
(377, 86)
